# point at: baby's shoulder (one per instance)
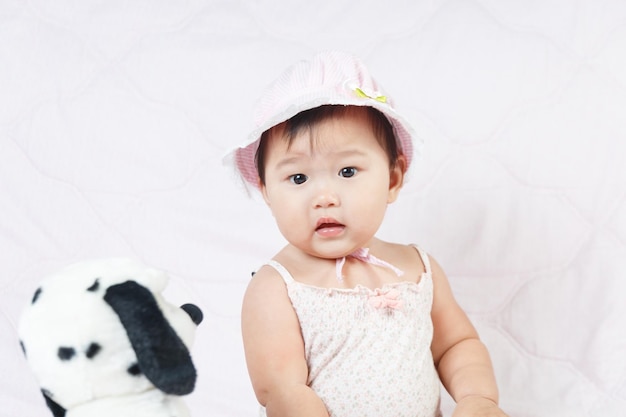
(266, 281)
(266, 292)
(267, 274)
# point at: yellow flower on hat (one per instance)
(359, 92)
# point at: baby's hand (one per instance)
(476, 406)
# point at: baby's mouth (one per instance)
(329, 227)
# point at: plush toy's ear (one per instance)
(57, 410)
(162, 356)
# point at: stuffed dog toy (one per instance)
(102, 341)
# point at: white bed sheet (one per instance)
(114, 117)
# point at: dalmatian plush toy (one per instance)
(102, 341)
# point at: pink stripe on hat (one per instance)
(330, 78)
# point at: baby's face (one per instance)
(329, 188)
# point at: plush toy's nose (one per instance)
(194, 312)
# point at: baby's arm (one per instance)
(275, 350)
(461, 358)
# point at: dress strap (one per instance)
(281, 270)
(363, 255)
(424, 257)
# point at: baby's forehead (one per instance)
(318, 124)
(331, 138)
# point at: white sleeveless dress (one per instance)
(368, 352)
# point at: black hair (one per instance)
(308, 119)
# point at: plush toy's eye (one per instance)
(93, 350)
(66, 353)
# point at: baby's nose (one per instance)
(325, 197)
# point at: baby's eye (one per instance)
(298, 178)
(347, 172)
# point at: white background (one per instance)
(114, 116)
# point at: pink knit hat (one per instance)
(329, 78)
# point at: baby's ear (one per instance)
(396, 178)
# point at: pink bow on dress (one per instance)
(386, 299)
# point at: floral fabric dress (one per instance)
(368, 352)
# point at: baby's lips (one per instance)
(330, 229)
(328, 226)
(325, 222)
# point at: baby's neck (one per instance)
(346, 271)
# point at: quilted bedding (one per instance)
(114, 117)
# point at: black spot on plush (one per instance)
(66, 353)
(56, 409)
(134, 370)
(95, 286)
(36, 295)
